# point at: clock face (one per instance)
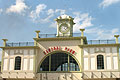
(64, 28)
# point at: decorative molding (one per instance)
(59, 38)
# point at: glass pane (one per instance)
(59, 62)
(45, 65)
(73, 65)
(100, 62)
(18, 63)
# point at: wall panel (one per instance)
(85, 63)
(31, 64)
(11, 64)
(31, 52)
(11, 52)
(115, 62)
(25, 64)
(6, 53)
(85, 51)
(92, 63)
(5, 64)
(108, 62)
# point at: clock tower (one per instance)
(64, 26)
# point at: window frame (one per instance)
(101, 63)
(18, 65)
(68, 69)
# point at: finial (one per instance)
(4, 42)
(116, 36)
(37, 34)
(82, 32)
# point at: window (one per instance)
(17, 63)
(59, 62)
(73, 66)
(100, 62)
(45, 66)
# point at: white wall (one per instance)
(92, 63)
(11, 64)
(6, 53)
(115, 62)
(25, 64)
(110, 57)
(5, 65)
(109, 66)
(85, 63)
(31, 64)
(27, 56)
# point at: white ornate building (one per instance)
(61, 56)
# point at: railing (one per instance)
(61, 35)
(101, 42)
(19, 44)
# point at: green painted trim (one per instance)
(59, 38)
(34, 61)
(95, 45)
(82, 43)
(68, 62)
(50, 63)
(82, 60)
(35, 43)
(2, 61)
(118, 58)
(19, 47)
(54, 53)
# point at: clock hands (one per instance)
(65, 28)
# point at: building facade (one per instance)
(61, 56)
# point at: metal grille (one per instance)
(100, 62)
(17, 63)
(59, 62)
(61, 35)
(20, 44)
(101, 42)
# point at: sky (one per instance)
(20, 18)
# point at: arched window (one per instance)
(59, 62)
(100, 62)
(17, 63)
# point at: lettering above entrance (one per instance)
(58, 48)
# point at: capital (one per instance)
(37, 31)
(82, 30)
(116, 36)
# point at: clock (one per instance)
(64, 28)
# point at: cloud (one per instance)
(61, 11)
(106, 3)
(102, 33)
(82, 21)
(19, 7)
(1, 10)
(50, 11)
(48, 14)
(35, 13)
(53, 24)
(107, 34)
